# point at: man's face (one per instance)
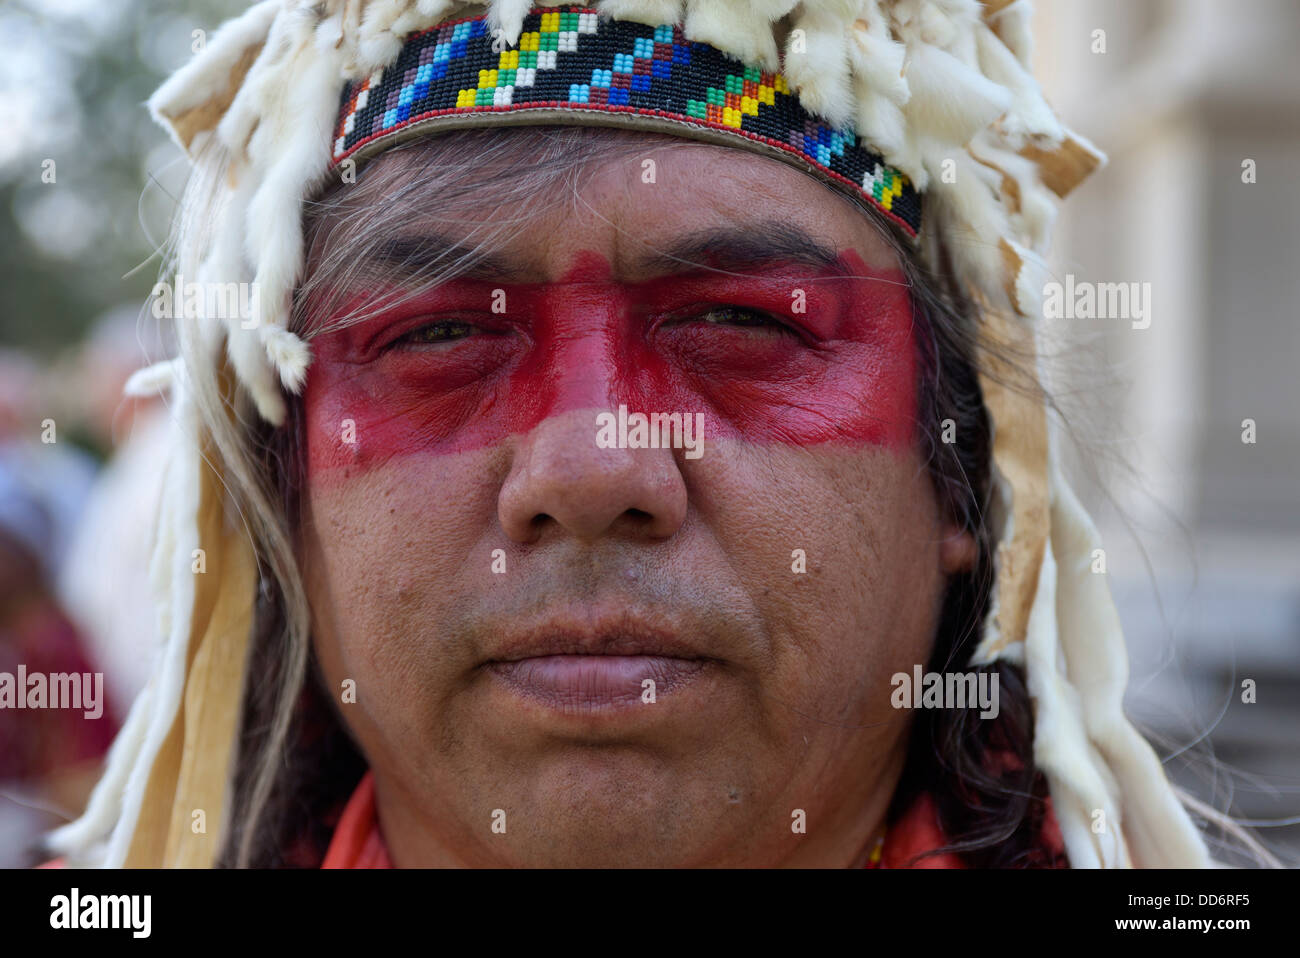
(571, 650)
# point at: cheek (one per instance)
(838, 549)
(388, 551)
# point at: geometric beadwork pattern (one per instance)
(572, 59)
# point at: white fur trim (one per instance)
(289, 354)
(650, 12)
(820, 73)
(1156, 830)
(741, 28)
(151, 380)
(208, 74)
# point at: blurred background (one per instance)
(88, 184)
(1202, 529)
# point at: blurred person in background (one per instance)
(49, 757)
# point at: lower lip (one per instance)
(585, 682)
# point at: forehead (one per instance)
(624, 196)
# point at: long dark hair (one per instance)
(991, 801)
(992, 811)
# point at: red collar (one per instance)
(357, 842)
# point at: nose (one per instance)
(561, 481)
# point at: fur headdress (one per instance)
(937, 98)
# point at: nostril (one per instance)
(638, 519)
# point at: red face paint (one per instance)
(842, 369)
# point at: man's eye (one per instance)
(735, 316)
(443, 332)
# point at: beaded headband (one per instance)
(571, 59)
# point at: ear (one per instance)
(957, 549)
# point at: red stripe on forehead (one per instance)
(844, 370)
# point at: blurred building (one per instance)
(1192, 99)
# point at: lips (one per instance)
(586, 682)
(629, 663)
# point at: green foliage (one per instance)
(74, 78)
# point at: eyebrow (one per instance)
(733, 249)
(412, 254)
(730, 249)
